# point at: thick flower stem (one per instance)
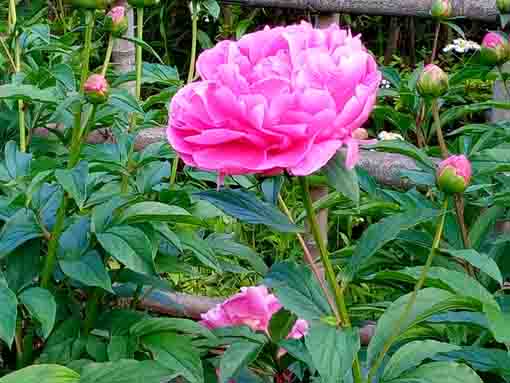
(439, 131)
(414, 295)
(51, 257)
(330, 273)
(77, 129)
(139, 36)
(311, 261)
(191, 75)
(17, 68)
(436, 42)
(92, 310)
(108, 56)
(459, 199)
(503, 80)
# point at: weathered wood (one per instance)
(472, 9)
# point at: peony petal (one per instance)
(316, 158)
(352, 154)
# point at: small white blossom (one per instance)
(385, 84)
(462, 46)
(388, 136)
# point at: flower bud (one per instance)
(360, 134)
(454, 174)
(495, 49)
(503, 6)
(142, 3)
(441, 9)
(433, 82)
(96, 89)
(89, 4)
(116, 21)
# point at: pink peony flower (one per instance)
(96, 89)
(252, 307)
(117, 14)
(285, 98)
(493, 40)
(454, 174)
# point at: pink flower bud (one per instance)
(360, 134)
(495, 48)
(454, 174)
(441, 9)
(116, 21)
(96, 89)
(503, 6)
(433, 82)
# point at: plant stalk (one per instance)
(503, 80)
(139, 36)
(108, 56)
(51, 257)
(439, 131)
(328, 266)
(77, 129)
(17, 68)
(92, 310)
(311, 261)
(191, 76)
(436, 43)
(414, 295)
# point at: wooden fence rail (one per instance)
(472, 9)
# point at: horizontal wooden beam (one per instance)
(384, 167)
(472, 9)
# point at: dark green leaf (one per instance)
(88, 269)
(413, 354)
(46, 201)
(8, 314)
(176, 352)
(27, 93)
(298, 291)
(126, 371)
(281, 324)
(237, 356)
(213, 8)
(152, 74)
(42, 306)
(20, 228)
(125, 102)
(130, 246)
(344, 180)
(74, 181)
(151, 175)
(23, 266)
(483, 224)
(480, 261)
(43, 373)
(155, 211)
(74, 241)
(121, 347)
(159, 325)
(438, 372)
(247, 207)
(378, 235)
(200, 249)
(332, 350)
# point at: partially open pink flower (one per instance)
(96, 89)
(441, 9)
(495, 49)
(116, 21)
(454, 174)
(252, 307)
(285, 98)
(433, 82)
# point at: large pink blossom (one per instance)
(285, 98)
(252, 307)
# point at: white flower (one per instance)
(388, 136)
(385, 84)
(462, 46)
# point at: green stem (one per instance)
(412, 300)
(92, 310)
(505, 84)
(436, 42)
(51, 257)
(18, 341)
(8, 54)
(77, 129)
(139, 35)
(328, 267)
(75, 152)
(191, 76)
(17, 69)
(439, 130)
(108, 56)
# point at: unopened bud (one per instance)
(97, 89)
(454, 174)
(503, 6)
(495, 49)
(116, 21)
(441, 9)
(433, 82)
